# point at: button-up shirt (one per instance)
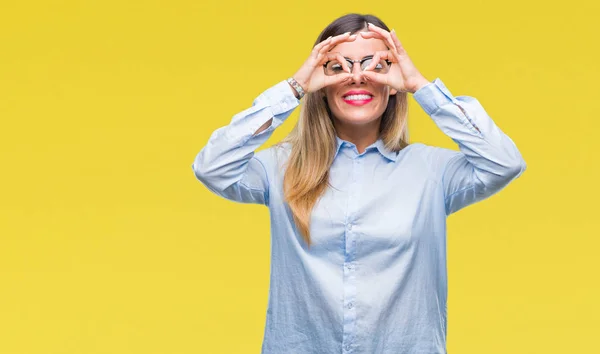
(374, 280)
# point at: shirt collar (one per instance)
(379, 145)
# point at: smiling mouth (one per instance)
(357, 100)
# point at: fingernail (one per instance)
(371, 24)
(346, 33)
(393, 31)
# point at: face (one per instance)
(358, 112)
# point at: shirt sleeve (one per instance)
(227, 165)
(487, 159)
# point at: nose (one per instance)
(357, 77)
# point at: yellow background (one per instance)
(108, 243)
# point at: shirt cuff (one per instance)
(280, 98)
(433, 95)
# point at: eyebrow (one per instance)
(368, 56)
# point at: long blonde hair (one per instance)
(307, 173)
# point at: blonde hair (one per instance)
(307, 172)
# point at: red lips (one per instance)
(357, 102)
(357, 92)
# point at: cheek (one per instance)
(384, 91)
(330, 92)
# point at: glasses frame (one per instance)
(352, 61)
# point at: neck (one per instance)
(360, 135)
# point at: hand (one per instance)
(311, 75)
(403, 75)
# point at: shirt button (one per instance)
(347, 347)
(350, 305)
(349, 226)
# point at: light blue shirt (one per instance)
(374, 281)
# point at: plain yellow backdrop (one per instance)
(108, 243)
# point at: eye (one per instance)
(336, 67)
(378, 67)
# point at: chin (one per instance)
(356, 115)
(357, 119)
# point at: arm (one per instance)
(227, 165)
(488, 159)
(268, 123)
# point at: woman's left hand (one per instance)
(403, 75)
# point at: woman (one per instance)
(357, 213)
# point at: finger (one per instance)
(338, 79)
(383, 55)
(387, 39)
(335, 56)
(351, 38)
(385, 34)
(375, 77)
(374, 62)
(368, 35)
(397, 41)
(335, 41)
(389, 42)
(343, 61)
(318, 47)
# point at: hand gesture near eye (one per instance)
(403, 75)
(311, 75)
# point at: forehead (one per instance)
(360, 47)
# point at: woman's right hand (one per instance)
(311, 75)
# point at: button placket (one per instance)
(349, 303)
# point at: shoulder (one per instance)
(273, 158)
(274, 154)
(431, 153)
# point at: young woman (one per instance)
(358, 214)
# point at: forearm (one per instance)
(268, 123)
(222, 161)
(488, 159)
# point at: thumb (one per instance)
(338, 79)
(375, 77)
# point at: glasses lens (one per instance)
(333, 68)
(382, 67)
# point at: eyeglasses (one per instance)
(334, 67)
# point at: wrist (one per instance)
(296, 86)
(302, 78)
(421, 83)
(294, 91)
